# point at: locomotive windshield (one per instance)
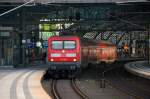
(69, 45)
(63, 45)
(57, 44)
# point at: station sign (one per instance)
(31, 45)
(6, 28)
(45, 44)
(28, 40)
(23, 41)
(4, 34)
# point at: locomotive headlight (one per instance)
(71, 55)
(63, 51)
(52, 60)
(74, 60)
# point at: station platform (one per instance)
(124, 59)
(22, 84)
(139, 68)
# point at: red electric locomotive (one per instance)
(64, 55)
(69, 54)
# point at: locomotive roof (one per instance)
(63, 37)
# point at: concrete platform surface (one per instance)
(140, 68)
(22, 84)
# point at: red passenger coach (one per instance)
(108, 52)
(64, 54)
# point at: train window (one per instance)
(57, 45)
(69, 45)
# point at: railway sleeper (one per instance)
(63, 73)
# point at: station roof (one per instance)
(72, 1)
(111, 16)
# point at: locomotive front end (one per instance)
(64, 55)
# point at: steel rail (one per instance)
(114, 86)
(54, 90)
(78, 90)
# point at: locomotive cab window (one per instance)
(69, 45)
(57, 44)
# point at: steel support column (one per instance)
(2, 51)
(23, 27)
(149, 44)
(118, 41)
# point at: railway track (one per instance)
(57, 94)
(54, 90)
(134, 87)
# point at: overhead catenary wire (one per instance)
(128, 22)
(16, 8)
(134, 24)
